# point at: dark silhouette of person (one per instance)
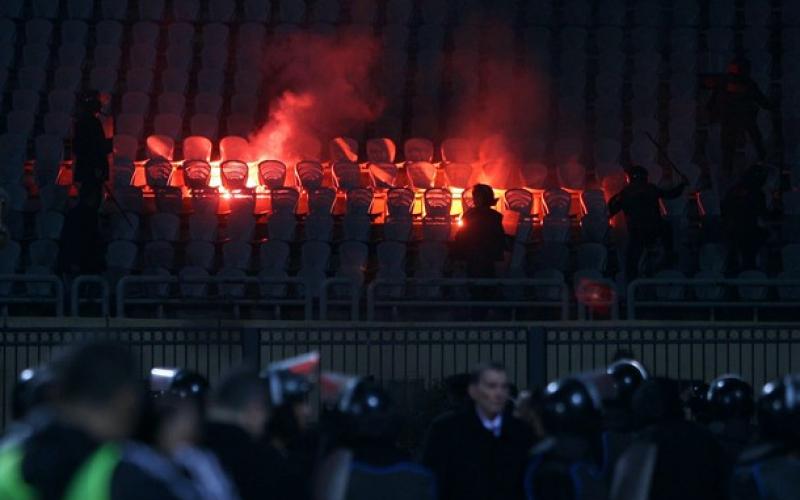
(735, 102)
(91, 149)
(639, 202)
(741, 209)
(687, 462)
(480, 243)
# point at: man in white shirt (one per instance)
(480, 453)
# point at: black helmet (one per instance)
(571, 405)
(779, 409)
(178, 382)
(730, 397)
(364, 399)
(628, 375)
(189, 384)
(638, 173)
(286, 387)
(33, 387)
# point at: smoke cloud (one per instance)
(319, 87)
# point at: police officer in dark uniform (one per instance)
(618, 418)
(743, 206)
(735, 102)
(730, 406)
(568, 464)
(639, 202)
(770, 469)
(368, 464)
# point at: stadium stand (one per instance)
(186, 98)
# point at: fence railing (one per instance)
(413, 360)
(236, 293)
(713, 295)
(443, 294)
(40, 289)
(412, 299)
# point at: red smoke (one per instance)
(510, 109)
(319, 87)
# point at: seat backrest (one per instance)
(400, 202)
(459, 175)
(519, 200)
(274, 255)
(558, 202)
(344, 149)
(284, 200)
(712, 257)
(353, 255)
(320, 201)
(310, 174)
(359, 201)
(234, 174)
(200, 254)
(196, 174)
(421, 174)
(457, 150)
(383, 174)
(9, 257)
(197, 148)
(49, 224)
(381, 150)
(790, 255)
(347, 175)
(160, 146)
(315, 255)
(125, 147)
(391, 254)
(437, 202)
(236, 254)
(157, 172)
(121, 254)
(165, 226)
(418, 149)
(233, 147)
(272, 173)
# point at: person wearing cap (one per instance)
(639, 201)
(91, 148)
(480, 452)
(735, 102)
(770, 469)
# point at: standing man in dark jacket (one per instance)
(735, 102)
(480, 453)
(481, 240)
(639, 201)
(91, 149)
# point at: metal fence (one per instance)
(412, 360)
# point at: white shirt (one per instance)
(494, 425)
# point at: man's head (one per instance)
(637, 174)
(98, 389)
(240, 398)
(483, 196)
(488, 388)
(90, 102)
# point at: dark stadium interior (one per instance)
(455, 249)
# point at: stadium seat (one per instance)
(189, 289)
(346, 175)
(309, 175)
(168, 125)
(123, 226)
(237, 255)
(196, 147)
(165, 226)
(272, 174)
(233, 174)
(205, 125)
(200, 254)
